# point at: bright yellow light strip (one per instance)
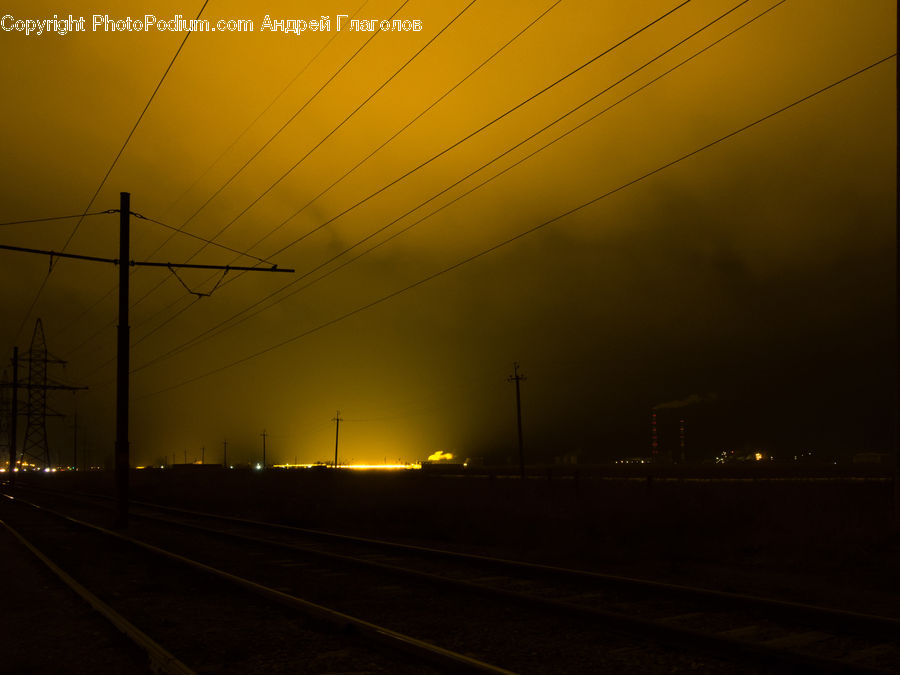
(380, 466)
(363, 467)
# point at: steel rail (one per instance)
(845, 619)
(671, 635)
(161, 660)
(722, 645)
(379, 634)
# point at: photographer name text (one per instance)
(104, 23)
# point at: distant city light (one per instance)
(389, 467)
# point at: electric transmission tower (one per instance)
(35, 447)
(5, 413)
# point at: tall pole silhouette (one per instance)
(122, 353)
(337, 427)
(75, 434)
(264, 434)
(14, 414)
(515, 377)
(123, 337)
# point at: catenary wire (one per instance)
(255, 120)
(415, 119)
(345, 120)
(365, 159)
(290, 119)
(112, 290)
(296, 164)
(520, 235)
(327, 136)
(45, 220)
(108, 172)
(485, 126)
(235, 318)
(208, 242)
(256, 154)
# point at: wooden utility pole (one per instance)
(337, 428)
(225, 454)
(515, 377)
(264, 434)
(203, 455)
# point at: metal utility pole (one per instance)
(264, 434)
(225, 454)
(123, 345)
(337, 428)
(15, 417)
(515, 377)
(75, 433)
(122, 356)
(203, 455)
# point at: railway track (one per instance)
(187, 617)
(530, 618)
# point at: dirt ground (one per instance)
(826, 540)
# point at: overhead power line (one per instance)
(345, 175)
(104, 328)
(46, 220)
(415, 119)
(486, 126)
(346, 119)
(523, 234)
(468, 136)
(207, 241)
(108, 172)
(112, 290)
(290, 119)
(265, 145)
(320, 142)
(464, 139)
(237, 319)
(308, 153)
(255, 120)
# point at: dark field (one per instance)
(824, 540)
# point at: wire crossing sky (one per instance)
(243, 315)
(754, 277)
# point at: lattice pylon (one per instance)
(35, 449)
(5, 416)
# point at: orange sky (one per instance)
(759, 270)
